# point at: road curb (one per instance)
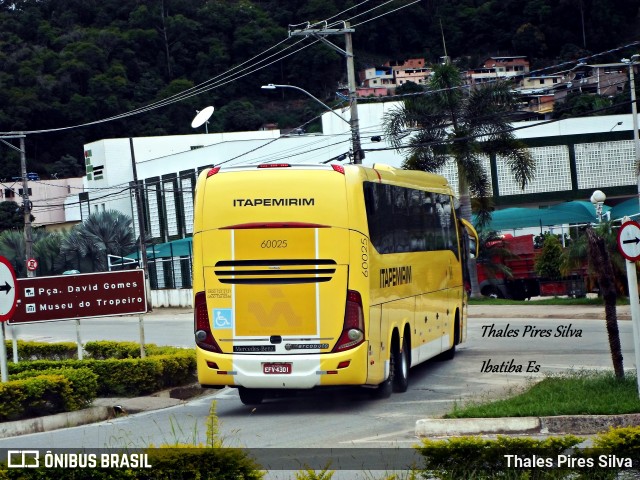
(561, 424)
(102, 409)
(440, 427)
(56, 421)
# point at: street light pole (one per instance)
(272, 86)
(137, 191)
(597, 199)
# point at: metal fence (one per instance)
(165, 272)
(174, 272)
(169, 264)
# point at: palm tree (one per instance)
(87, 246)
(599, 257)
(12, 247)
(598, 247)
(46, 249)
(466, 128)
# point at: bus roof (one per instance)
(380, 172)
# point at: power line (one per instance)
(386, 13)
(212, 83)
(178, 97)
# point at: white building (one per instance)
(54, 202)
(574, 157)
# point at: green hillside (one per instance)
(71, 62)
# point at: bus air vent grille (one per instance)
(274, 271)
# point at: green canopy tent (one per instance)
(628, 208)
(176, 248)
(576, 212)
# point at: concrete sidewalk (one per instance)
(529, 309)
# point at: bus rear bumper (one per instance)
(303, 371)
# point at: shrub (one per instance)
(176, 368)
(104, 349)
(129, 376)
(12, 398)
(83, 383)
(547, 264)
(474, 457)
(33, 396)
(622, 441)
(48, 386)
(41, 350)
(205, 463)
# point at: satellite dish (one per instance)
(202, 117)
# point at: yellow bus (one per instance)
(316, 275)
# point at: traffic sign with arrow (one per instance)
(8, 297)
(629, 241)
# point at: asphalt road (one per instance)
(345, 417)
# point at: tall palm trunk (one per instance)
(465, 212)
(606, 279)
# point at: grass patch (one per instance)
(545, 301)
(576, 393)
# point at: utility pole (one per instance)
(26, 203)
(137, 191)
(320, 33)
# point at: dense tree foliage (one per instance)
(87, 245)
(71, 62)
(46, 248)
(11, 216)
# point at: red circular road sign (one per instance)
(8, 292)
(629, 241)
(32, 264)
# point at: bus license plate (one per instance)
(276, 368)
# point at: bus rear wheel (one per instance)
(400, 365)
(251, 396)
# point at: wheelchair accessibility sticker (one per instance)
(222, 318)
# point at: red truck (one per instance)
(519, 256)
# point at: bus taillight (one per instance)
(213, 171)
(202, 327)
(353, 326)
